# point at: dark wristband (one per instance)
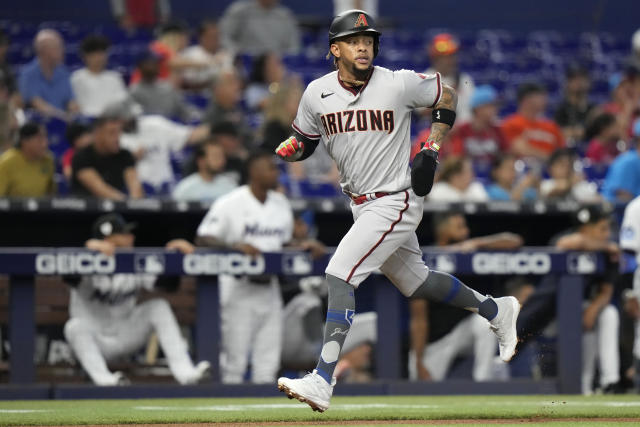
(443, 115)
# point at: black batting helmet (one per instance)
(351, 22)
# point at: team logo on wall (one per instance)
(149, 263)
(298, 264)
(582, 263)
(442, 262)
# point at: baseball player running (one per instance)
(362, 114)
(106, 322)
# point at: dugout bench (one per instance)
(23, 264)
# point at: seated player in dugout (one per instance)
(106, 322)
(362, 114)
(438, 333)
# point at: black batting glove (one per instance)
(423, 170)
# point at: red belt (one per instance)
(358, 200)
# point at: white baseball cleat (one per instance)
(200, 372)
(311, 389)
(504, 326)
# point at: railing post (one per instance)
(569, 308)
(207, 330)
(22, 329)
(389, 345)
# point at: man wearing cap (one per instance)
(600, 319)
(481, 137)
(622, 182)
(27, 169)
(106, 323)
(443, 54)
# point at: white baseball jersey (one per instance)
(630, 230)
(103, 299)
(238, 217)
(367, 132)
(251, 313)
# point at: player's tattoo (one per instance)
(449, 101)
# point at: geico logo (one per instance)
(70, 263)
(222, 264)
(536, 263)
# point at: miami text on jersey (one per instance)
(257, 230)
(358, 120)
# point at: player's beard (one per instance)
(359, 73)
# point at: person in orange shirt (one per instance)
(528, 132)
(173, 38)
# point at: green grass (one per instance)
(342, 408)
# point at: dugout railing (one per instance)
(23, 264)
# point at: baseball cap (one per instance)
(484, 94)
(124, 110)
(109, 224)
(591, 214)
(443, 44)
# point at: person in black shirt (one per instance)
(600, 319)
(440, 333)
(103, 169)
(575, 109)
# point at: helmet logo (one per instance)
(361, 21)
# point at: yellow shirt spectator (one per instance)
(27, 171)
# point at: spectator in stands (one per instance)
(564, 182)
(6, 69)
(27, 169)
(153, 139)
(456, 183)
(94, 86)
(528, 133)
(480, 138)
(603, 134)
(103, 169)
(45, 83)
(622, 182)
(158, 96)
(600, 319)
(208, 50)
(625, 98)
(438, 333)
(78, 136)
(225, 105)
(173, 37)
(10, 115)
(443, 54)
(505, 184)
(575, 108)
(370, 6)
(280, 108)
(140, 14)
(255, 27)
(209, 181)
(107, 322)
(226, 134)
(267, 74)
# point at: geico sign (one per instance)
(74, 263)
(533, 263)
(222, 264)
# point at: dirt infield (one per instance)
(389, 422)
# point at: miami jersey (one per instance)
(367, 132)
(238, 217)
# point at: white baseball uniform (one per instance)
(107, 323)
(630, 240)
(367, 133)
(251, 311)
